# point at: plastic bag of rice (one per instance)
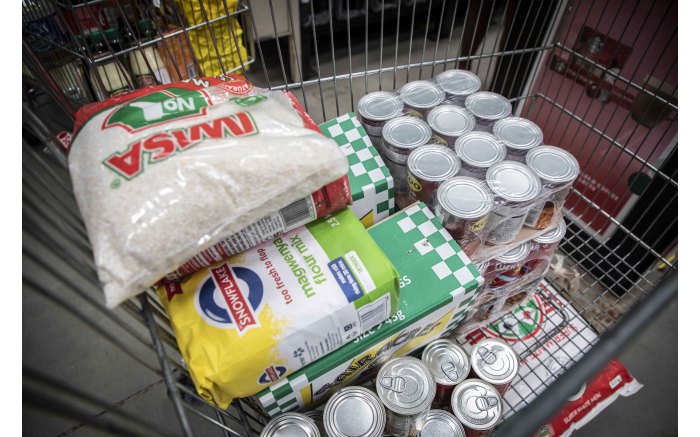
(162, 173)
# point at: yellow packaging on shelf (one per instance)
(232, 52)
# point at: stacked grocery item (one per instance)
(484, 172)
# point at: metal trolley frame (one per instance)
(326, 53)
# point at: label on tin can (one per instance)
(534, 213)
(507, 230)
(479, 225)
(413, 183)
(413, 112)
(399, 425)
(440, 140)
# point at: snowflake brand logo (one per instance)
(524, 323)
(229, 298)
(158, 107)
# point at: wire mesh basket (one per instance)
(599, 77)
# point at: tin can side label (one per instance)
(414, 184)
(507, 230)
(534, 213)
(440, 140)
(413, 112)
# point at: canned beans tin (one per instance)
(440, 423)
(354, 411)
(449, 365)
(509, 267)
(557, 169)
(376, 108)
(463, 205)
(458, 84)
(420, 96)
(401, 136)
(428, 167)
(479, 151)
(519, 135)
(487, 108)
(495, 362)
(291, 424)
(515, 187)
(448, 122)
(407, 389)
(478, 406)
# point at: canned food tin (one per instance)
(449, 365)
(463, 205)
(479, 151)
(420, 96)
(399, 172)
(448, 122)
(440, 423)
(495, 362)
(509, 267)
(289, 424)
(514, 186)
(406, 388)
(428, 167)
(354, 411)
(458, 84)
(317, 417)
(403, 135)
(543, 248)
(478, 406)
(557, 169)
(377, 108)
(519, 135)
(487, 108)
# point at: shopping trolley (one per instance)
(599, 77)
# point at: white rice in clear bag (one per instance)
(144, 224)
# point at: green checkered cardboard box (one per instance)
(371, 183)
(438, 286)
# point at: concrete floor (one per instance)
(59, 343)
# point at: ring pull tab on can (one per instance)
(450, 370)
(486, 355)
(396, 383)
(485, 403)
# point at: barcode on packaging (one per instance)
(298, 213)
(374, 313)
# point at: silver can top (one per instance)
(488, 106)
(433, 163)
(552, 164)
(406, 132)
(406, 386)
(458, 82)
(380, 105)
(480, 149)
(477, 404)
(518, 133)
(494, 361)
(450, 120)
(513, 182)
(516, 254)
(421, 94)
(354, 411)
(291, 425)
(447, 360)
(440, 423)
(465, 197)
(553, 235)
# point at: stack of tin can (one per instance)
(448, 392)
(484, 172)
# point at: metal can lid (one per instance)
(380, 105)
(488, 106)
(433, 163)
(494, 361)
(480, 149)
(440, 423)
(291, 425)
(553, 164)
(421, 94)
(513, 181)
(553, 235)
(406, 132)
(406, 386)
(354, 411)
(447, 360)
(450, 120)
(458, 82)
(515, 254)
(477, 404)
(465, 197)
(518, 133)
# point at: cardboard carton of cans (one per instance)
(427, 258)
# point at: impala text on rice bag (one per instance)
(246, 322)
